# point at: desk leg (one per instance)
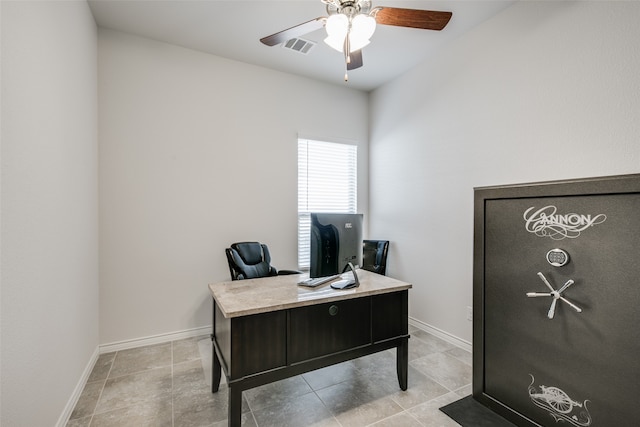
(235, 406)
(402, 363)
(216, 371)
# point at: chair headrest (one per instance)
(250, 252)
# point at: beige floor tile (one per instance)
(420, 389)
(446, 370)
(276, 393)
(247, 421)
(402, 419)
(419, 348)
(430, 415)
(305, 410)
(193, 402)
(186, 350)
(88, 400)
(166, 385)
(102, 367)
(460, 354)
(359, 402)
(433, 343)
(464, 391)
(79, 422)
(141, 359)
(189, 375)
(368, 413)
(156, 413)
(199, 408)
(134, 389)
(331, 375)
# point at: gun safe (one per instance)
(556, 328)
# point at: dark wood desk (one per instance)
(269, 329)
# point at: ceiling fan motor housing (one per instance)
(349, 8)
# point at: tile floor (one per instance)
(166, 385)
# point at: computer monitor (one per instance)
(336, 241)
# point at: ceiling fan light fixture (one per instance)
(335, 43)
(357, 44)
(337, 26)
(363, 27)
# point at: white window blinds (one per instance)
(327, 182)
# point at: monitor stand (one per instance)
(347, 283)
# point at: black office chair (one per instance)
(250, 260)
(374, 255)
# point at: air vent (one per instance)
(299, 45)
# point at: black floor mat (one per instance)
(468, 412)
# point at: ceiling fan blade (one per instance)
(356, 60)
(297, 31)
(413, 18)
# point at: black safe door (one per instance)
(561, 308)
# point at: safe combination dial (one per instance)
(557, 295)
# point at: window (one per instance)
(327, 182)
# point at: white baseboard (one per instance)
(154, 339)
(77, 391)
(458, 342)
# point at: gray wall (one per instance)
(49, 308)
(543, 91)
(198, 152)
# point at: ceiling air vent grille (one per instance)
(299, 45)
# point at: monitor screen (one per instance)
(336, 241)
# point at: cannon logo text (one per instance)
(546, 222)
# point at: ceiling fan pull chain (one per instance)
(347, 53)
(346, 68)
(347, 45)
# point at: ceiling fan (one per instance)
(351, 23)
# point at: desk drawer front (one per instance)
(324, 329)
(258, 343)
(391, 313)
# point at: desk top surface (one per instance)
(253, 296)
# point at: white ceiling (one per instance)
(233, 28)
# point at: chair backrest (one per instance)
(374, 255)
(249, 260)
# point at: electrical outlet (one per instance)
(470, 314)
